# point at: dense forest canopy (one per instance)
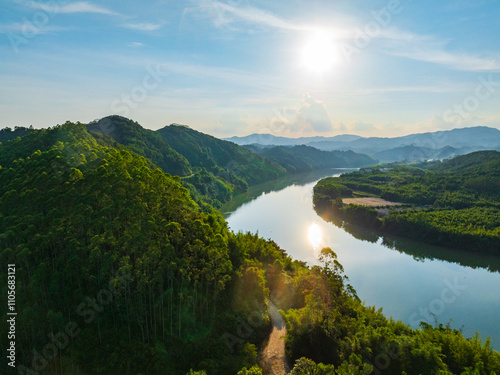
(190, 154)
(120, 271)
(453, 203)
(86, 222)
(220, 156)
(143, 141)
(7, 134)
(213, 170)
(306, 158)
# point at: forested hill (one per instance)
(452, 203)
(305, 158)
(119, 271)
(203, 150)
(143, 141)
(213, 169)
(475, 163)
(7, 134)
(117, 262)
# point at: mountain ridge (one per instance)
(192, 155)
(302, 158)
(134, 277)
(351, 137)
(458, 137)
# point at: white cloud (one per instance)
(456, 61)
(254, 15)
(28, 28)
(439, 88)
(315, 114)
(399, 42)
(76, 7)
(434, 50)
(144, 26)
(223, 14)
(310, 116)
(135, 44)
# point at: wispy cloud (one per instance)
(76, 7)
(207, 74)
(398, 42)
(22, 28)
(234, 76)
(256, 16)
(397, 35)
(456, 61)
(223, 14)
(135, 44)
(144, 26)
(430, 49)
(416, 89)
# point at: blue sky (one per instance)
(235, 67)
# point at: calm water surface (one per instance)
(411, 281)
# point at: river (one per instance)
(411, 281)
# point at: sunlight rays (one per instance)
(319, 53)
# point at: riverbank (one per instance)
(397, 274)
(444, 205)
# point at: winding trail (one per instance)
(273, 360)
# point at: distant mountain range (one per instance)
(214, 168)
(272, 140)
(433, 145)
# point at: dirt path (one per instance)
(273, 356)
(370, 201)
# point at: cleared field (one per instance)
(370, 201)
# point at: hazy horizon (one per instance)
(266, 134)
(238, 67)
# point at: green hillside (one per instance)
(119, 271)
(8, 134)
(305, 158)
(203, 185)
(211, 169)
(220, 157)
(474, 163)
(454, 203)
(143, 141)
(106, 242)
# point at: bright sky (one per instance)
(235, 67)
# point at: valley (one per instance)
(236, 187)
(85, 213)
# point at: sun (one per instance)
(319, 52)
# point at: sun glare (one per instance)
(315, 235)
(319, 53)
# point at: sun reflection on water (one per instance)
(315, 235)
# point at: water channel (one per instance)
(411, 281)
